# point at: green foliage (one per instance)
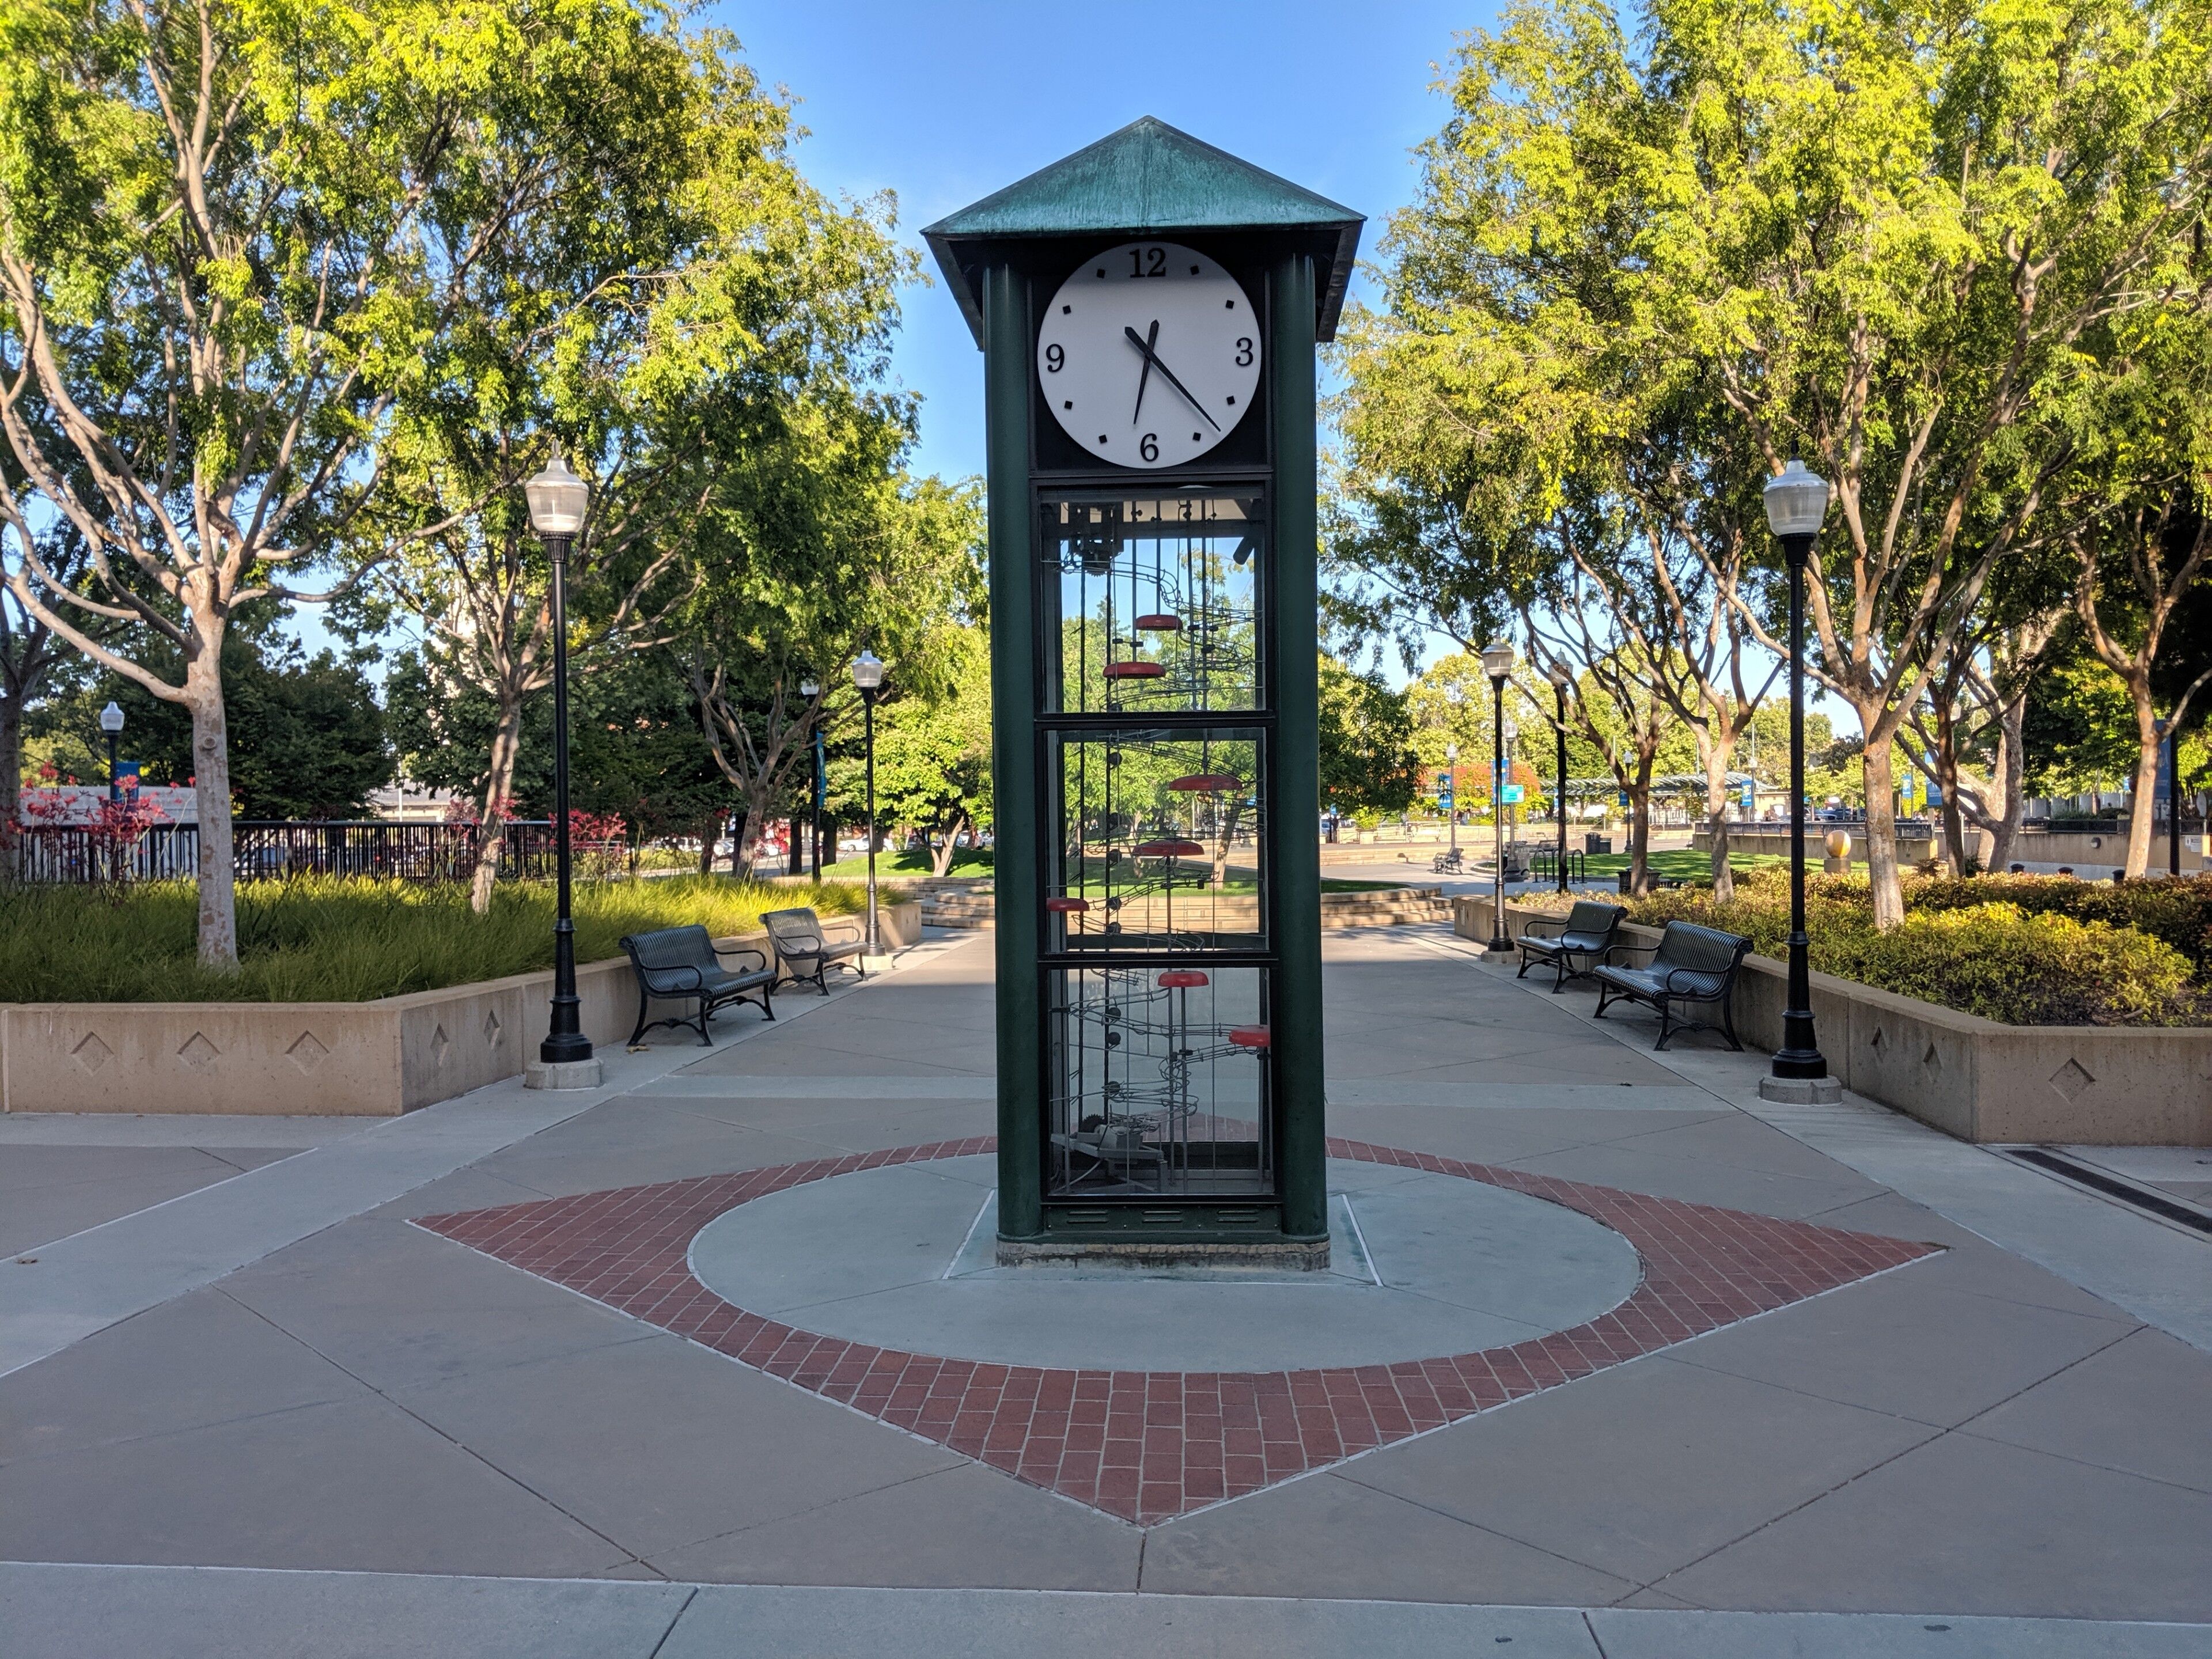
(344, 940)
(1975, 950)
(307, 735)
(2178, 912)
(1368, 760)
(933, 754)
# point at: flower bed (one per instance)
(2022, 950)
(331, 940)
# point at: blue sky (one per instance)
(945, 102)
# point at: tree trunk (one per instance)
(1640, 831)
(11, 785)
(941, 864)
(1946, 759)
(1715, 750)
(497, 802)
(1882, 833)
(752, 819)
(706, 835)
(2142, 805)
(2008, 776)
(218, 927)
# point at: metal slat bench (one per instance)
(1690, 965)
(804, 951)
(1588, 931)
(680, 962)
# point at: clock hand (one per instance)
(1151, 339)
(1152, 361)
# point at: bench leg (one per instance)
(1605, 995)
(705, 1009)
(644, 1004)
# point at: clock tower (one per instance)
(1148, 310)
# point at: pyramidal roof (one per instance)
(1148, 177)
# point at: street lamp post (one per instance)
(111, 721)
(1451, 814)
(558, 499)
(1497, 658)
(1559, 726)
(810, 690)
(1796, 502)
(868, 681)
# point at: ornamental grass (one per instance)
(329, 940)
(2020, 951)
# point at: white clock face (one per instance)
(1148, 354)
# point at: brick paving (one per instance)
(1148, 1446)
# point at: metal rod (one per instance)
(868, 701)
(1560, 693)
(1498, 941)
(565, 1042)
(1800, 1054)
(2172, 800)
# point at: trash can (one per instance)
(1596, 843)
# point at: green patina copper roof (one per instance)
(1149, 178)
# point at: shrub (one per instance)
(2179, 912)
(2001, 961)
(335, 940)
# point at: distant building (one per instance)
(410, 803)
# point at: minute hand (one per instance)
(1152, 359)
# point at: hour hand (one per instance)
(1152, 361)
(1145, 346)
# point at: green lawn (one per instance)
(1685, 864)
(966, 861)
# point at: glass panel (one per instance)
(1156, 602)
(1158, 842)
(1159, 1083)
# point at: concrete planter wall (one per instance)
(320, 1059)
(1970, 1077)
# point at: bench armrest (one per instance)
(649, 974)
(1632, 949)
(859, 926)
(1528, 927)
(1725, 975)
(759, 955)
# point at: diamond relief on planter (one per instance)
(91, 1053)
(306, 1053)
(198, 1053)
(2070, 1079)
(1149, 1446)
(1931, 1060)
(492, 1030)
(1878, 1041)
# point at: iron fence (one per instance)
(270, 849)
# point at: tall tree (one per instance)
(661, 290)
(212, 232)
(817, 552)
(1879, 235)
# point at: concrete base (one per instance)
(1295, 1256)
(564, 1075)
(1802, 1090)
(905, 1258)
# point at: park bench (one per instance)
(804, 951)
(1446, 864)
(685, 964)
(1588, 931)
(1690, 965)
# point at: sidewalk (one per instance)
(2007, 1429)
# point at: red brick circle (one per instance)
(1148, 1446)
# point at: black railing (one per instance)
(270, 849)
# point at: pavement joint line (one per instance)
(1940, 1432)
(1361, 1456)
(1970, 1185)
(454, 1441)
(130, 1271)
(877, 1622)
